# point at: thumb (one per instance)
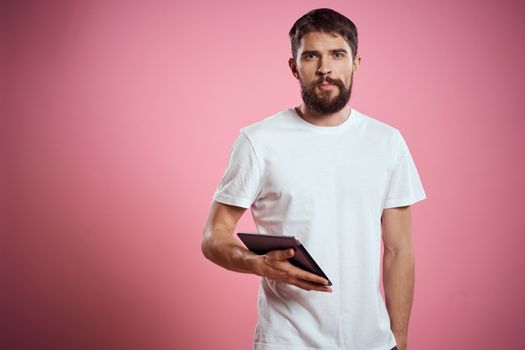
(288, 253)
(282, 254)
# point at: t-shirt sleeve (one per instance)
(405, 187)
(241, 181)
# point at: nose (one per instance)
(324, 67)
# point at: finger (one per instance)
(311, 286)
(282, 255)
(298, 273)
(308, 276)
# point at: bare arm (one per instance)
(398, 270)
(219, 246)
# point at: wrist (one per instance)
(401, 335)
(253, 263)
(401, 340)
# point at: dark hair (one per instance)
(327, 21)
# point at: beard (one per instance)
(324, 103)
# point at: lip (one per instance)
(326, 86)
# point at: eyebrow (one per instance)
(309, 52)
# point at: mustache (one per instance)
(328, 80)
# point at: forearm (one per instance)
(226, 251)
(398, 282)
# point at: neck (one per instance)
(323, 119)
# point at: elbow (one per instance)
(395, 251)
(204, 247)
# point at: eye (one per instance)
(310, 55)
(338, 54)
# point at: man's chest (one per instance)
(326, 171)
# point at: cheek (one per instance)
(307, 71)
(306, 77)
(348, 76)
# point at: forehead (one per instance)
(321, 40)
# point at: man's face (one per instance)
(325, 70)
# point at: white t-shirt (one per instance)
(328, 186)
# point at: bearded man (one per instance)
(340, 181)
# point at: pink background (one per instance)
(117, 121)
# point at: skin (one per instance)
(321, 55)
(220, 246)
(398, 269)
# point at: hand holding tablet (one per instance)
(276, 248)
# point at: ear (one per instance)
(293, 68)
(356, 63)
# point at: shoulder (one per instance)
(268, 123)
(267, 126)
(377, 127)
(386, 136)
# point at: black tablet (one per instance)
(264, 243)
